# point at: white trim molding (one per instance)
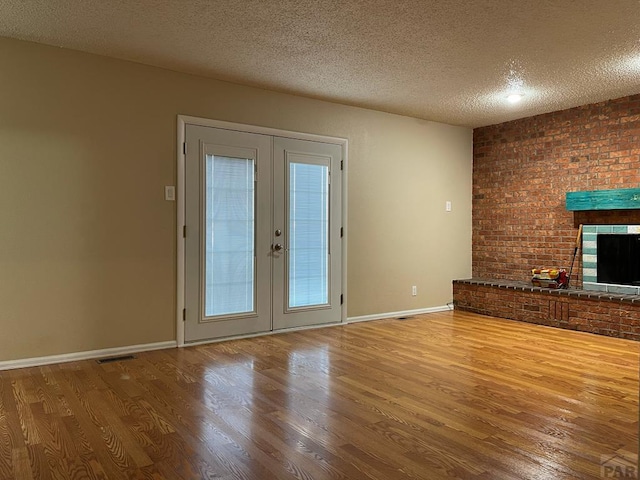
(73, 357)
(180, 226)
(404, 313)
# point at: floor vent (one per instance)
(115, 359)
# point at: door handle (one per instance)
(278, 247)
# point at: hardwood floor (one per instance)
(446, 395)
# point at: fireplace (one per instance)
(611, 258)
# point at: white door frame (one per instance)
(183, 121)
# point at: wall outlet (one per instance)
(414, 291)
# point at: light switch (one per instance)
(447, 206)
(170, 193)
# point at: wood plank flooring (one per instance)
(445, 395)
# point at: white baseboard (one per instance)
(112, 352)
(72, 357)
(364, 318)
(405, 313)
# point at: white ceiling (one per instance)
(450, 60)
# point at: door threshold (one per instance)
(260, 334)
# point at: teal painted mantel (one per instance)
(620, 199)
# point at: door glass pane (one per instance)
(308, 234)
(229, 235)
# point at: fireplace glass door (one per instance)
(618, 259)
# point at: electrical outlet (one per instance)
(414, 291)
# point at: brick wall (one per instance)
(615, 317)
(522, 170)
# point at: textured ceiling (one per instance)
(449, 60)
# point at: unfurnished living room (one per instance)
(292, 239)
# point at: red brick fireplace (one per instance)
(521, 172)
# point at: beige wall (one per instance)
(87, 242)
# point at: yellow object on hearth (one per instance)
(545, 273)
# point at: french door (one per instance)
(263, 248)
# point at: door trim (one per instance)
(182, 122)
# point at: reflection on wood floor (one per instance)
(445, 395)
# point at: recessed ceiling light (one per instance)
(515, 97)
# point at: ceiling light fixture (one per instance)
(515, 82)
(515, 97)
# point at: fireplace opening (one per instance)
(618, 259)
